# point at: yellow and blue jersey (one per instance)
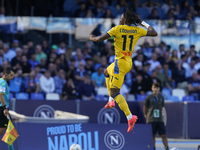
(126, 37)
(4, 89)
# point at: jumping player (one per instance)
(126, 36)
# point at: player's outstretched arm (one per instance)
(99, 38)
(151, 30)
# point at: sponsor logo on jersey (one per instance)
(126, 53)
(3, 89)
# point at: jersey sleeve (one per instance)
(143, 32)
(146, 103)
(112, 31)
(3, 88)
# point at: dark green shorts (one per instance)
(158, 127)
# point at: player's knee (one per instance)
(164, 136)
(105, 72)
(114, 92)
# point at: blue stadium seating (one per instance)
(73, 10)
(22, 96)
(114, 3)
(92, 8)
(174, 98)
(141, 97)
(100, 97)
(188, 98)
(11, 96)
(143, 12)
(166, 93)
(113, 11)
(68, 7)
(37, 96)
(161, 13)
(140, 2)
(158, 1)
(176, 2)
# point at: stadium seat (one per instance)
(102, 91)
(140, 2)
(179, 92)
(37, 96)
(121, 10)
(100, 97)
(188, 98)
(149, 93)
(166, 93)
(114, 3)
(68, 6)
(141, 97)
(22, 96)
(11, 96)
(131, 97)
(158, 1)
(143, 12)
(52, 96)
(176, 2)
(174, 98)
(161, 13)
(73, 10)
(113, 11)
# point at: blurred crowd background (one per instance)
(148, 9)
(75, 70)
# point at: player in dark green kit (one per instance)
(153, 107)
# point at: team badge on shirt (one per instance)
(3, 89)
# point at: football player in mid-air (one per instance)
(126, 36)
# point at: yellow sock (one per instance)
(122, 104)
(107, 84)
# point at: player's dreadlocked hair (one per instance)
(131, 17)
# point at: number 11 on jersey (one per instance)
(124, 42)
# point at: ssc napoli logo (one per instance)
(44, 111)
(114, 140)
(106, 116)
